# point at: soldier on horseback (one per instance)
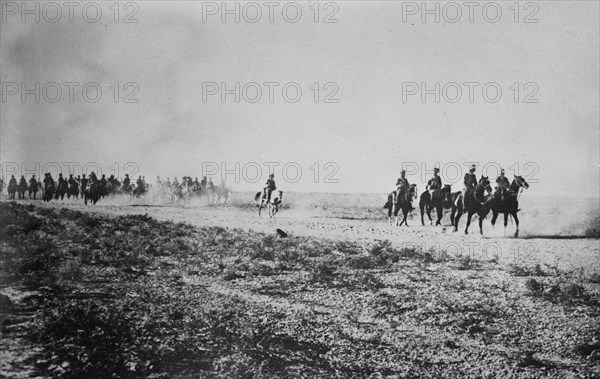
(84, 183)
(62, 187)
(126, 183)
(470, 181)
(12, 187)
(22, 187)
(33, 187)
(270, 187)
(503, 184)
(73, 187)
(435, 183)
(141, 187)
(402, 184)
(103, 186)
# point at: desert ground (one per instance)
(196, 290)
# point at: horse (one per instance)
(12, 189)
(21, 189)
(439, 200)
(72, 190)
(476, 201)
(456, 198)
(396, 203)
(92, 192)
(33, 188)
(223, 192)
(61, 189)
(508, 202)
(272, 205)
(138, 191)
(49, 188)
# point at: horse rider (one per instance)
(140, 184)
(84, 182)
(103, 185)
(435, 183)
(22, 187)
(126, 183)
(503, 183)
(33, 186)
(203, 182)
(73, 185)
(211, 185)
(62, 183)
(270, 186)
(93, 178)
(470, 181)
(48, 180)
(402, 185)
(167, 182)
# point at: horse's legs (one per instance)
(439, 215)
(469, 215)
(457, 218)
(260, 208)
(480, 224)
(495, 216)
(422, 207)
(514, 214)
(429, 215)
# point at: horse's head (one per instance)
(412, 189)
(484, 183)
(520, 181)
(447, 188)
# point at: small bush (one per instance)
(533, 285)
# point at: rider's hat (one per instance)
(436, 169)
(271, 175)
(473, 167)
(403, 172)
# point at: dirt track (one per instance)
(562, 253)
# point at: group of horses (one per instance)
(479, 200)
(188, 190)
(94, 189)
(90, 190)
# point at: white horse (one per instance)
(272, 205)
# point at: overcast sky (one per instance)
(175, 48)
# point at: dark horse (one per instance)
(72, 190)
(395, 203)
(440, 200)
(476, 201)
(508, 203)
(92, 192)
(61, 189)
(49, 188)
